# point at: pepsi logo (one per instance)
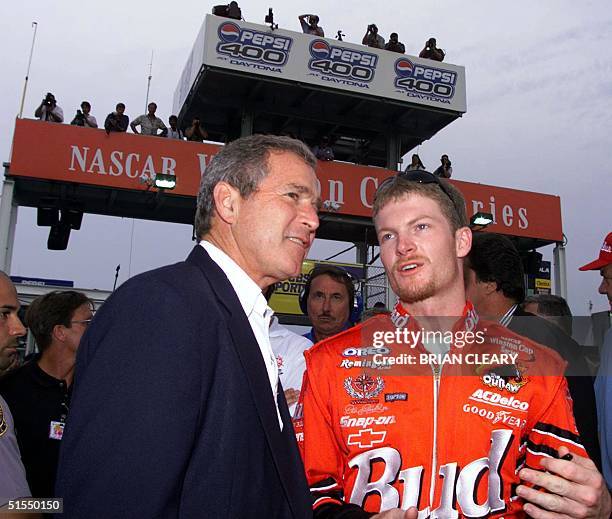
(403, 67)
(229, 32)
(319, 49)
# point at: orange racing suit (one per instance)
(448, 438)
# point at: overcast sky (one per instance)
(539, 118)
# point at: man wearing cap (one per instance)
(603, 384)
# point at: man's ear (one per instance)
(227, 202)
(463, 241)
(59, 332)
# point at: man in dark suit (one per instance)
(177, 411)
(495, 285)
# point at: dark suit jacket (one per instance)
(579, 383)
(172, 413)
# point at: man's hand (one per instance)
(575, 489)
(291, 395)
(396, 513)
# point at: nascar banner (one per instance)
(304, 58)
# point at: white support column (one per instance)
(8, 221)
(560, 268)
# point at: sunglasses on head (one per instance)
(422, 177)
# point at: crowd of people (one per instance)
(118, 121)
(310, 25)
(123, 415)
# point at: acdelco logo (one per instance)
(489, 397)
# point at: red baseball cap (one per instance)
(605, 256)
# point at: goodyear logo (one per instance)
(424, 81)
(251, 48)
(341, 64)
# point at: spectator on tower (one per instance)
(430, 51)
(195, 132)
(372, 38)
(84, 118)
(445, 169)
(415, 163)
(394, 45)
(117, 121)
(323, 150)
(230, 10)
(312, 25)
(149, 123)
(174, 132)
(49, 110)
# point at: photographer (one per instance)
(372, 38)
(445, 170)
(394, 45)
(228, 11)
(312, 25)
(430, 51)
(195, 132)
(323, 150)
(117, 121)
(49, 110)
(84, 117)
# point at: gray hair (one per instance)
(554, 307)
(243, 164)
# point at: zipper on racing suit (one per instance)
(437, 373)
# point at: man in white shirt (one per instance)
(49, 110)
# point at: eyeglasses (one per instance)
(84, 321)
(422, 177)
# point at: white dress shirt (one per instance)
(256, 309)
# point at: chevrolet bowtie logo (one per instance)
(366, 438)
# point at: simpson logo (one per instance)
(255, 47)
(488, 397)
(423, 81)
(364, 388)
(364, 352)
(341, 64)
(396, 397)
(366, 421)
(511, 384)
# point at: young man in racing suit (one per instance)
(388, 425)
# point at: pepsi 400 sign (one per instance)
(424, 82)
(341, 64)
(253, 49)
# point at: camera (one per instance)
(49, 99)
(270, 16)
(270, 19)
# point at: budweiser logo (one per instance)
(460, 483)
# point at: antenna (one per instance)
(25, 84)
(149, 82)
(116, 276)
